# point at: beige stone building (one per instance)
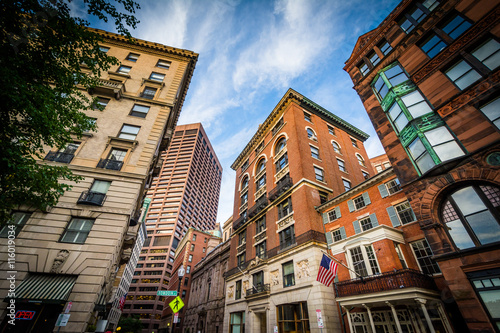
(72, 252)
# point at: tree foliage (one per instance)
(47, 58)
(130, 325)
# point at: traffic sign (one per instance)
(63, 319)
(176, 304)
(166, 293)
(320, 319)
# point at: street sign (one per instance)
(166, 293)
(176, 318)
(63, 319)
(320, 319)
(176, 304)
(68, 307)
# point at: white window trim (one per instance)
(350, 263)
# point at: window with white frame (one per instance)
(364, 261)
(401, 257)
(423, 254)
(361, 160)
(157, 76)
(77, 230)
(163, 64)
(129, 132)
(149, 93)
(140, 111)
(331, 130)
(318, 172)
(244, 183)
(307, 117)
(366, 223)
(132, 57)
(124, 69)
(347, 184)
(314, 152)
(341, 165)
(354, 143)
(311, 134)
(389, 188)
(334, 214)
(336, 147)
(359, 202)
(405, 213)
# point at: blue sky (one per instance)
(251, 52)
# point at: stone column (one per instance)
(395, 314)
(371, 318)
(422, 302)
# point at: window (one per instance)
(323, 197)
(237, 323)
(354, 143)
(163, 64)
(244, 183)
(416, 14)
(293, 317)
(129, 132)
(341, 165)
(311, 134)
(385, 47)
(186, 281)
(334, 214)
(314, 152)
(405, 213)
(424, 255)
(149, 93)
(471, 216)
(307, 117)
(285, 208)
(288, 274)
(192, 247)
(455, 26)
(260, 250)
(242, 236)
(490, 110)
(347, 184)
(366, 175)
(100, 186)
(260, 166)
(244, 166)
(389, 188)
(366, 224)
(260, 182)
(140, 111)
(260, 225)
(488, 54)
(132, 57)
(462, 74)
(241, 259)
(331, 130)
(359, 202)
(124, 69)
(157, 76)
(190, 258)
(487, 286)
(373, 57)
(388, 79)
(15, 224)
(339, 234)
(244, 198)
(364, 261)
(378, 168)
(336, 147)
(194, 237)
(401, 257)
(103, 49)
(258, 279)
(101, 103)
(278, 125)
(77, 230)
(287, 237)
(363, 68)
(361, 160)
(432, 45)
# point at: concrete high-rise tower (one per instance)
(185, 194)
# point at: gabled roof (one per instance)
(362, 40)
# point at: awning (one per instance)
(46, 287)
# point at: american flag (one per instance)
(327, 271)
(122, 302)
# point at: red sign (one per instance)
(68, 307)
(25, 314)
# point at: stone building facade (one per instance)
(72, 252)
(300, 156)
(428, 77)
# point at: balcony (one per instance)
(55, 156)
(107, 87)
(92, 198)
(259, 290)
(283, 185)
(110, 164)
(239, 222)
(404, 278)
(258, 207)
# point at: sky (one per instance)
(251, 52)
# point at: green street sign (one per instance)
(166, 293)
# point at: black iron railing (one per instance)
(59, 157)
(283, 185)
(258, 207)
(92, 198)
(259, 289)
(404, 278)
(110, 164)
(239, 222)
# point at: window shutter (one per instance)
(357, 228)
(366, 198)
(350, 204)
(383, 190)
(342, 233)
(373, 219)
(393, 216)
(337, 211)
(329, 238)
(325, 218)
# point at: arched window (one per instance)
(361, 160)
(260, 166)
(311, 134)
(283, 160)
(262, 177)
(280, 145)
(472, 216)
(336, 147)
(244, 183)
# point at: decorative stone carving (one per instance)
(303, 269)
(59, 260)
(275, 277)
(245, 287)
(230, 292)
(254, 262)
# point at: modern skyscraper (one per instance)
(428, 77)
(72, 252)
(185, 194)
(300, 156)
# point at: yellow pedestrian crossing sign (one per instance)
(176, 304)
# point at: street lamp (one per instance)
(180, 273)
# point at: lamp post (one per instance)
(180, 273)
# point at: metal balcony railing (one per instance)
(59, 157)
(239, 222)
(110, 164)
(259, 289)
(283, 185)
(258, 207)
(404, 278)
(92, 198)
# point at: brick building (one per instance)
(184, 194)
(373, 230)
(301, 155)
(195, 245)
(428, 78)
(380, 163)
(73, 251)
